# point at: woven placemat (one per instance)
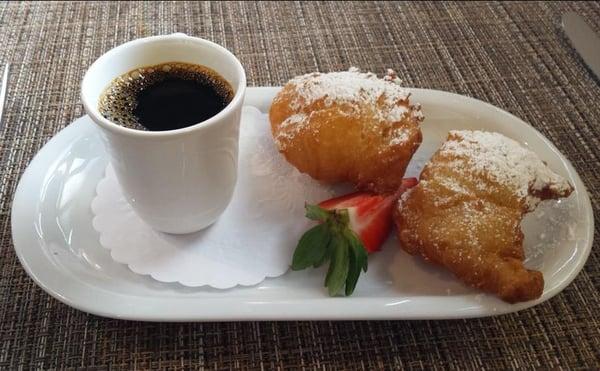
(512, 55)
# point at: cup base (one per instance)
(182, 231)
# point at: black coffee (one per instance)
(167, 96)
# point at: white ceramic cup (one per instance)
(178, 181)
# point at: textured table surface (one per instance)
(512, 55)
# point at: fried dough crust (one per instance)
(359, 140)
(463, 217)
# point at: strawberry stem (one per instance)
(332, 240)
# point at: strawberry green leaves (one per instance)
(314, 212)
(338, 266)
(306, 253)
(332, 241)
(358, 261)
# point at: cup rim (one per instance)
(111, 126)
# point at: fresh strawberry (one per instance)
(350, 227)
(370, 214)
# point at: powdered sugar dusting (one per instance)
(357, 89)
(453, 185)
(353, 86)
(399, 136)
(291, 126)
(507, 162)
(405, 196)
(294, 119)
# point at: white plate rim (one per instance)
(358, 308)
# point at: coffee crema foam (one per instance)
(122, 101)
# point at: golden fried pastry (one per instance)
(466, 211)
(347, 127)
